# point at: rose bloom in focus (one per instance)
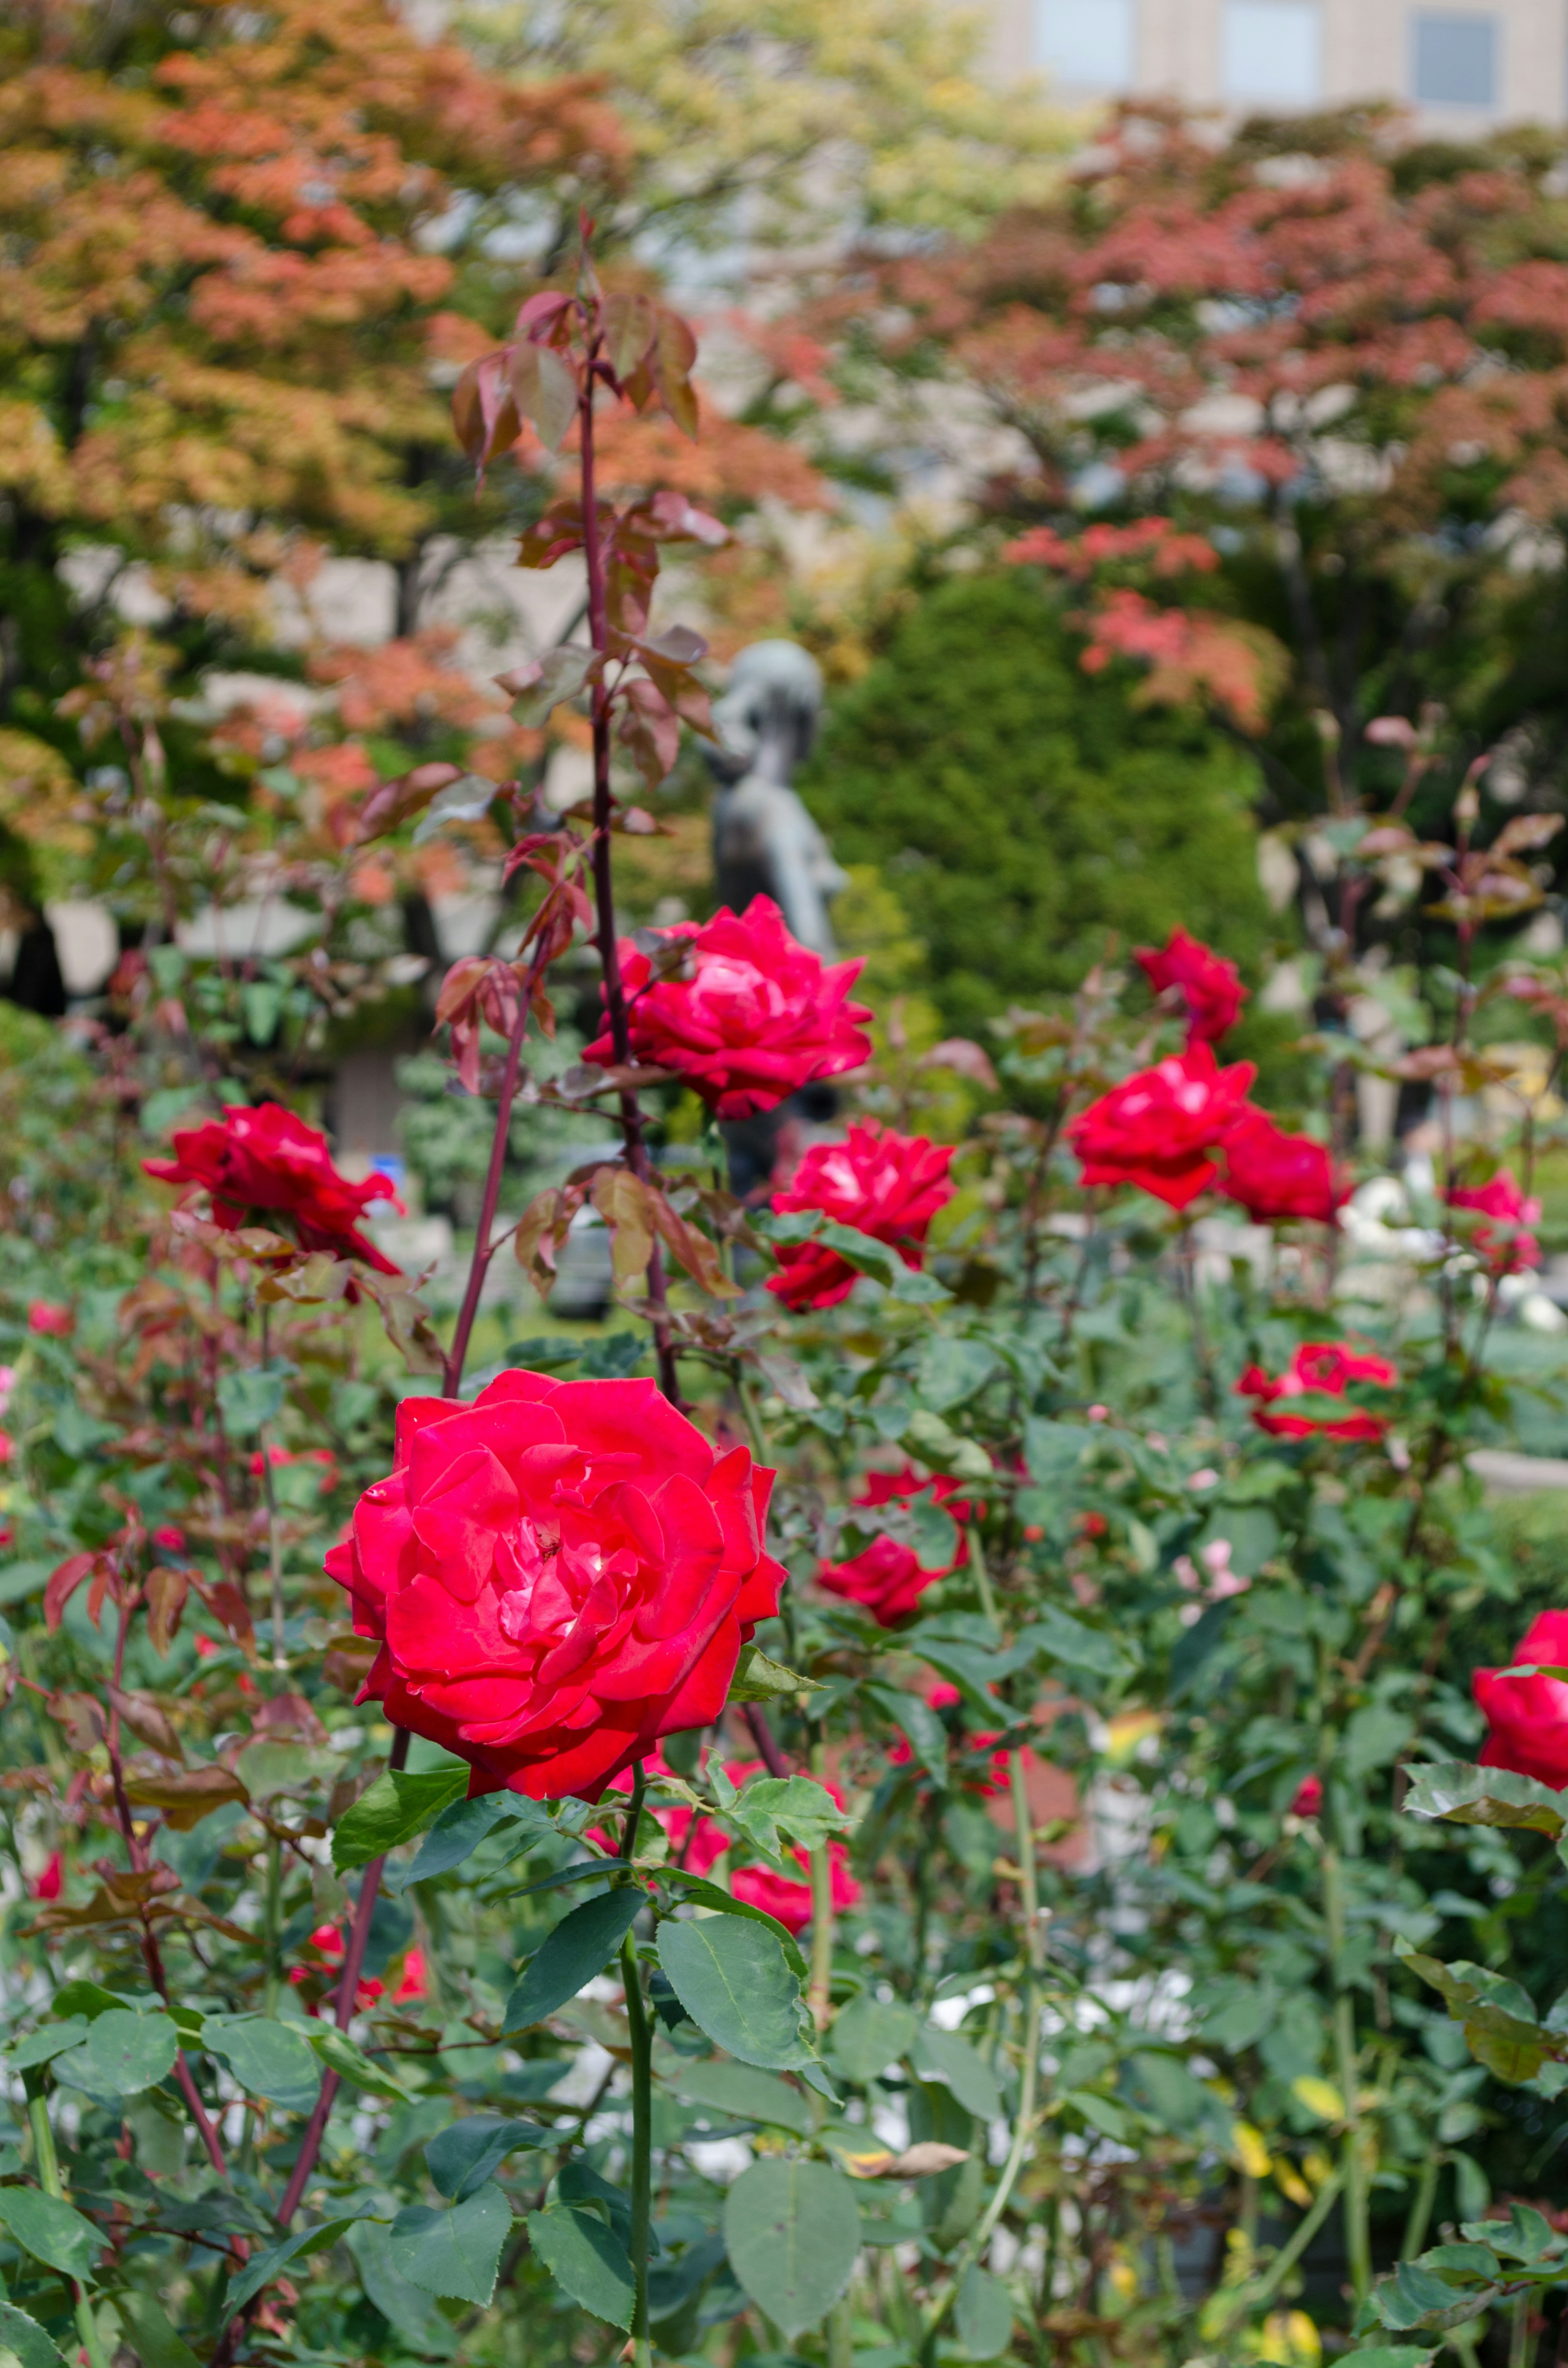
(55, 1323)
(1526, 1718)
(1320, 1369)
(884, 1184)
(887, 1578)
(1275, 1175)
(1209, 986)
(558, 1574)
(1160, 1128)
(759, 1016)
(267, 1163)
(1504, 1243)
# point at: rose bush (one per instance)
(557, 1576)
(882, 1183)
(749, 1018)
(267, 1163)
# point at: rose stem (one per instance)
(452, 1377)
(641, 2092)
(151, 1955)
(48, 2164)
(819, 1990)
(604, 883)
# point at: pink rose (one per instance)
(558, 1575)
(887, 1185)
(758, 1015)
(267, 1163)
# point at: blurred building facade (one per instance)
(1460, 68)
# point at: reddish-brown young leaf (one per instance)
(64, 1580)
(148, 1722)
(674, 351)
(187, 1797)
(167, 1591)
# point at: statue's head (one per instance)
(767, 717)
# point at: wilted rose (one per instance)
(1160, 1128)
(1209, 986)
(267, 1163)
(882, 1183)
(1275, 1175)
(1320, 1369)
(757, 1016)
(1526, 1718)
(558, 1575)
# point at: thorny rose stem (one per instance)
(604, 883)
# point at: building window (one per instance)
(1271, 51)
(1456, 59)
(1089, 44)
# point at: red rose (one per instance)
(322, 1972)
(1210, 985)
(168, 1538)
(1505, 1245)
(267, 1162)
(58, 1323)
(1307, 1800)
(1275, 1174)
(1320, 1369)
(887, 1185)
(1528, 1717)
(1158, 1128)
(758, 1015)
(558, 1575)
(887, 1578)
(47, 1883)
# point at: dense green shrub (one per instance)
(1024, 810)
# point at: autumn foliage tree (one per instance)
(1310, 383)
(236, 249)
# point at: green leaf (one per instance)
(792, 2230)
(983, 2314)
(1054, 1450)
(87, 1999)
(392, 1810)
(757, 1678)
(703, 1893)
(414, 2315)
(869, 2036)
(734, 1980)
(944, 2056)
(270, 2059)
(581, 1946)
(1388, 2355)
(948, 1372)
(563, 673)
(742, 2090)
(250, 1397)
(26, 2339)
(796, 1805)
(1485, 1796)
(460, 1828)
(50, 2230)
(156, 2342)
(587, 2262)
(1055, 1634)
(462, 2158)
(1374, 1738)
(131, 2051)
(927, 1736)
(40, 2045)
(349, 2061)
(262, 2268)
(1414, 2297)
(454, 2250)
